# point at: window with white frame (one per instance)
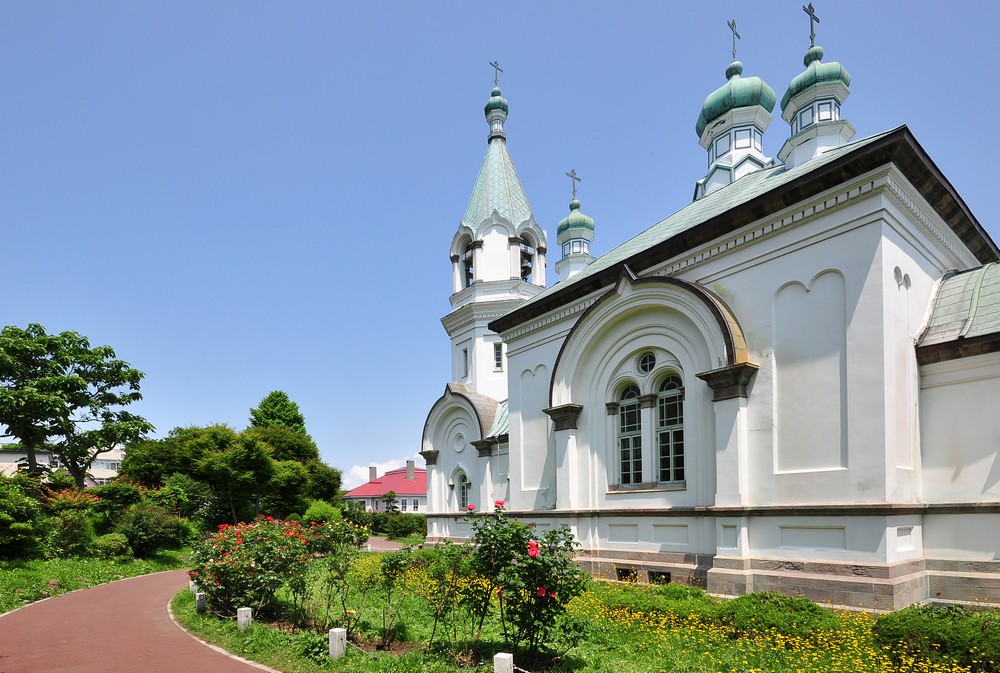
(416, 504)
(498, 357)
(630, 436)
(462, 488)
(670, 429)
(402, 505)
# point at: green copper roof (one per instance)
(497, 188)
(496, 102)
(575, 220)
(500, 421)
(736, 93)
(816, 72)
(967, 305)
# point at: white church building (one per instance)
(791, 384)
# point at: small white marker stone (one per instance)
(503, 663)
(338, 643)
(244, 618)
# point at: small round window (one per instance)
(646, 362)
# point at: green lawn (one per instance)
(23, 582)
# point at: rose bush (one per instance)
(244, 565)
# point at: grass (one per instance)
(632, 629)
(23, 582)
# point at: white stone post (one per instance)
(503, 663)
(244, 618)
(201, 603)
(192, 587)
(338, 643)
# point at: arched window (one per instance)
(630, 436)
(468, 271)
(670, 429)
(462, 488)
(527, 258)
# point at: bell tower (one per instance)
(497, 259)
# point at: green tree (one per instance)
(324, 481)
(276, 410)
(286, 443)
(57, 389)
(238, 474)
(286, 491)
(391, 502)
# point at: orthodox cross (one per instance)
(575, 178)
(496, 74)
(736, 36)
(812, 18)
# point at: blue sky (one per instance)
(249, 196)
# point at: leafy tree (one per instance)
(238, 474)
(276, 410)
(286, 443)
(324, 481)
(391, 502)
(56, 388)
(286, 491)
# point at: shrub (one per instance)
(321, 511)
(402, 525)
(149, 528)
(112, 545)
(195, 499)
(246, 564)
(338, 543)
(70, 499)
(534, 576)
(116, 497)
(769, 611)
(677, 599)
(22, 523)
(71, 533)
(936, 632)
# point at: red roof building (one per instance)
(408, 483)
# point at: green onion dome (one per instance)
(737, 92)
(816, 72)
(496, 102)
(575, 220)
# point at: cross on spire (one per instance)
(813, 19)
(498, 70)
(736, 36)
(575, 178)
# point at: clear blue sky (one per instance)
(246, 196)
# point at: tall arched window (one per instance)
(630, 436)
(527, 258)
(670, 429)
(468, 270)
(462, 488)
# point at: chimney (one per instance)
(372, 473)
(410, 476)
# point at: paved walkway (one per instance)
(122, 627)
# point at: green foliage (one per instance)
(286, 490)
(356, 512)
(398, 525)
(116, 497)
(321, 511)
(149, 528)
(286, 443)
(534, 576)
(338, 543)
(277, 410)
(71, 534)
(195, 500)
(112, 546)
(59, 480)
(665, 599)
(22, 521)
(941, 632)
(245, 565)
(57, 390)
(324, 481)
(772, 612)
(238, 473)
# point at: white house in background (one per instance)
(408, 483)
(790, 384)
(103, 470)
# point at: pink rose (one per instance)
(499, 504)
(532, 549)
(541, 591)
(470, 507)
